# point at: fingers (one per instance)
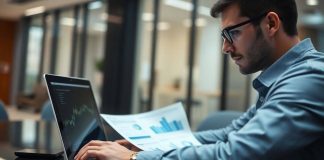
(103, 150)
(124, 143)
(89, 154)
(128, 145)
(84, 150)
(121, 141)
(93, 154)
(89, 148)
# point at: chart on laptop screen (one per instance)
(77, 113)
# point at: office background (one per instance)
(138, 54)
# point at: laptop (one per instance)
(76, 112)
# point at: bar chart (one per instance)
(167, 126)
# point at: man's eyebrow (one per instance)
(231, 25)
(228, 26)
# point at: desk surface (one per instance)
(16, 135)
(20, 115)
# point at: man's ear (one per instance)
(273, 23)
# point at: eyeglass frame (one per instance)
(226, 35)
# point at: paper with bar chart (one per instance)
(163, 129)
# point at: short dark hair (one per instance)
(286, 9)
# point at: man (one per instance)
(287, 122)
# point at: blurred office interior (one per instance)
(138, 54)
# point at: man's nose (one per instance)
(227, 47)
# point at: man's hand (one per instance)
(128, 145)
(103, 150)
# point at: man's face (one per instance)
(249, 48)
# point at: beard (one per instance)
(258, 55)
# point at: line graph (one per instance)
(77, 112)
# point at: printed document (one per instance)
(163, 129)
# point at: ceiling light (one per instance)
(33, 11)
(148, 17)
(67, 21)
(95, 5)
(162, 26)
(187, 6)
(200, 22)
(179, 4)
(312, 2)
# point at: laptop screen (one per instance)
(75, 111)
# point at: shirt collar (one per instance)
(268, 76)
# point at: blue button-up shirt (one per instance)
(287, 122)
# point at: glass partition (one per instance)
(67, 38)
(208, 64)
(33, 54)
(64, 53)
(94, 60)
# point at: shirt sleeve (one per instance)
(212, 136)
(290, 119)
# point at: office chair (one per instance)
(3, 112)
(47, 111)
(217, 120)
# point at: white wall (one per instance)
(210, 58)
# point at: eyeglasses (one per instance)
(227, 33)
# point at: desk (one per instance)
(16, 135)
(20, 115)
